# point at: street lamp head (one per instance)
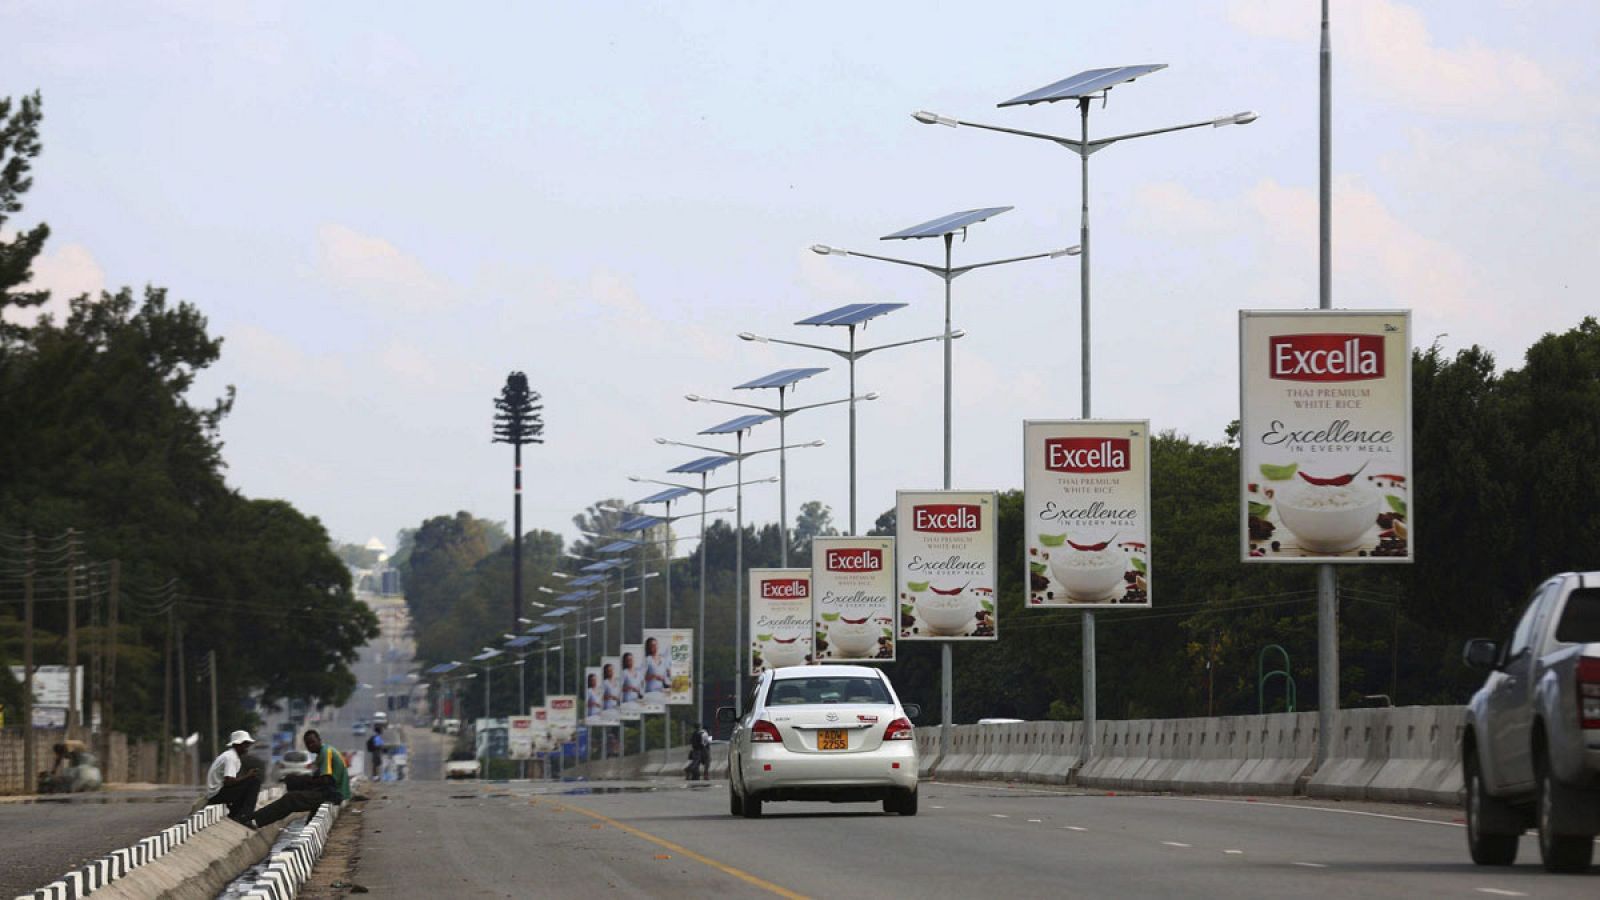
(661, 440)
(928, 118)
(817, 443)
(1243, 118)
(870, 395)
(825, 250)
(634, 478)
(692, 398)
(747, 336)
(1074, 250)
(958, 334)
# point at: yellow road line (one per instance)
(726, 869)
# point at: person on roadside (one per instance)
(699, 768)
(375, 748)
(328, 783)
(229, 782)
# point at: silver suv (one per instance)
(1530, 753)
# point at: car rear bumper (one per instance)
(775, 773)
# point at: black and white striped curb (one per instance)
(284, 870)
(97, 873)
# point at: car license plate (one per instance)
(832, 739)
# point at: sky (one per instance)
(384, 208)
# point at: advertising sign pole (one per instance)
(1090, 715)
(1327, 581)
(946, 655)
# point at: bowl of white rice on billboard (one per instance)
(783, 651)
(1089, 572)
(854, 637)
(1328, 515)
(947, 610)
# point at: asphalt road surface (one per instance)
(40, 841)
(668, 839)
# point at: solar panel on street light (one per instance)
(666, 496)
(622, 546)
(854, 314)
(639, 523)
(1083, 84)
(743, 423)
(779, 379)
(947, 224)
(702, 466)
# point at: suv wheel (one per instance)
(1486, 849)
(903, 803)
(1560, 852)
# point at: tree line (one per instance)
(104, 451)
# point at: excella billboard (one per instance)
(780, 618)
(1086, 512)
(946, 544)
(852, 586)
(1325, 436)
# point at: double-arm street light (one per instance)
(945, 227)
(703, 467)
(737, 428)
(1084, 87)
(849, 317)
(780, 381)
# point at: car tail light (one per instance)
(898, 730)
(1589, 692)
(764, 732)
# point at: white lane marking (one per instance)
(1312, 865)
(1074, 828)
(1233, 852)
(998, 816)
(1035, 820)
(936, 807)
(1501, 893)
(1348, 812)
(1176, 844)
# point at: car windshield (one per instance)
(462, 756)
(820, 689)
(296, 756)
(1580, 622)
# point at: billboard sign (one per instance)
(780, 618)
(1325, 436)
(852, 582)
(630, 669)
(1086, 512)
(946, 545)
(563, 716)
(611, 687)
(668, 667)
(594, 697)
(519, 739)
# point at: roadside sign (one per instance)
(946, 544)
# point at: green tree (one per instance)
(19, 146)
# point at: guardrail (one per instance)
(1408, 754)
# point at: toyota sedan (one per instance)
(830, 733)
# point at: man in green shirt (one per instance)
(328, 783)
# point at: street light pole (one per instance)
(1083, 88)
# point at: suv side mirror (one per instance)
(912, 710)
(727, 715)
(1480, 654)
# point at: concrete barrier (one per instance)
(1409, 754)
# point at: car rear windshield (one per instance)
(296, 756)
(826, 689)
(1580, 622)
(462, 756)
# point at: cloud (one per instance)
(374, 270)
(66, 272)
(1386, 49)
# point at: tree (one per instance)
(815, 520)
(19, 146)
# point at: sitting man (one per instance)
(226, 783)
(330, 783)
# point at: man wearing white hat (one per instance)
(226, 783)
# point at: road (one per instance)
(41, 840)
(669, 839)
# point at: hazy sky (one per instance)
(385, 207)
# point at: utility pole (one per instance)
(211, 666)
(96, 660)
(28, 761)
(1327, 579)
(517, 422)
(183, 714)
(166, 704)
(111, 664)
(72, 634)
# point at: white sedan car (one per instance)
(830, 733)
